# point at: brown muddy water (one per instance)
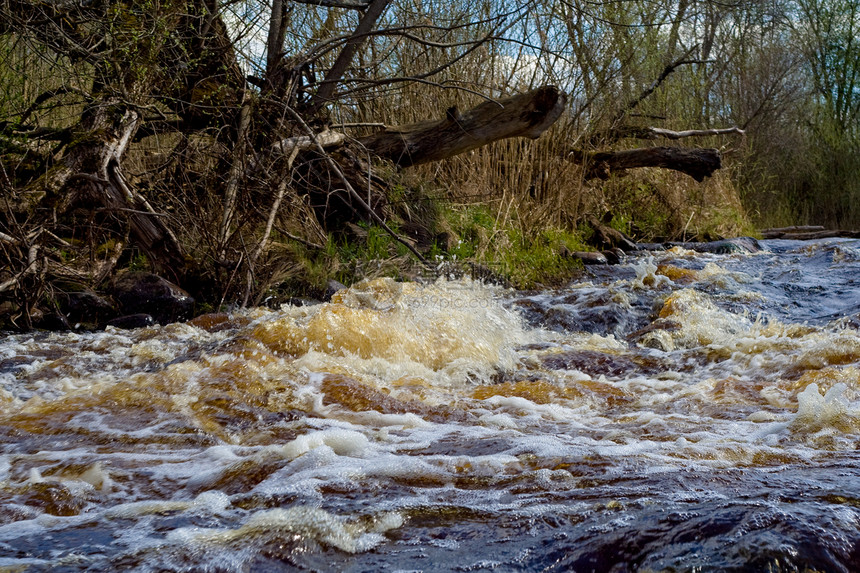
(680, 412)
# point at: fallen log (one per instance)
(523, 115)
(698, 163)
(813, 235)
(779, 232)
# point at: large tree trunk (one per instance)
(524, 115)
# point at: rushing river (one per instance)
(679, 412)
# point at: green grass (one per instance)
(543, 260)
(525, 259)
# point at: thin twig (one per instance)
(667, 71)
(297, 239)
(349, 125)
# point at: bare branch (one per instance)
(657, 132)
(421, 78)
(297, 239)
(45, 96)
(335, 4)
(236, 172)
(8, 239)
(667, 71)
(335, 73)
(326, 139)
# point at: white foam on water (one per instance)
(441, 332)
(341, 442)
(211, 502)
(309, 523)
(831, 410)
(647, 276)
(723, 390)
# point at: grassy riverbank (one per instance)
(526, 238)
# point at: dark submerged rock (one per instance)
(332, 286)
(146, 293)
(131, 321)
(591, 362)
(725, 246)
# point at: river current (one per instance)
(679, 412)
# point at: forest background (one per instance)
(222, 144)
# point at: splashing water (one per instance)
(683, 412)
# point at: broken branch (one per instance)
(697, 163)
(656, 132)
(523, 115)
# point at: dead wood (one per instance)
(93, 167)
(779, 232)
(523, 115)
(352, 193)
(813, 235)
(698, 163)
(658, 132)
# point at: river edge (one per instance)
(136, 298)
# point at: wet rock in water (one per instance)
(131, 321)
(725, 246)
(332, 286)
(607, 257)
(358, 397)
(146, 293)
(591, 362)
(614, 256)
(578, 312)
(652, 246)
(213, 321)
(656, 335)
(531, 310)
(659, 324)
(590, 258)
